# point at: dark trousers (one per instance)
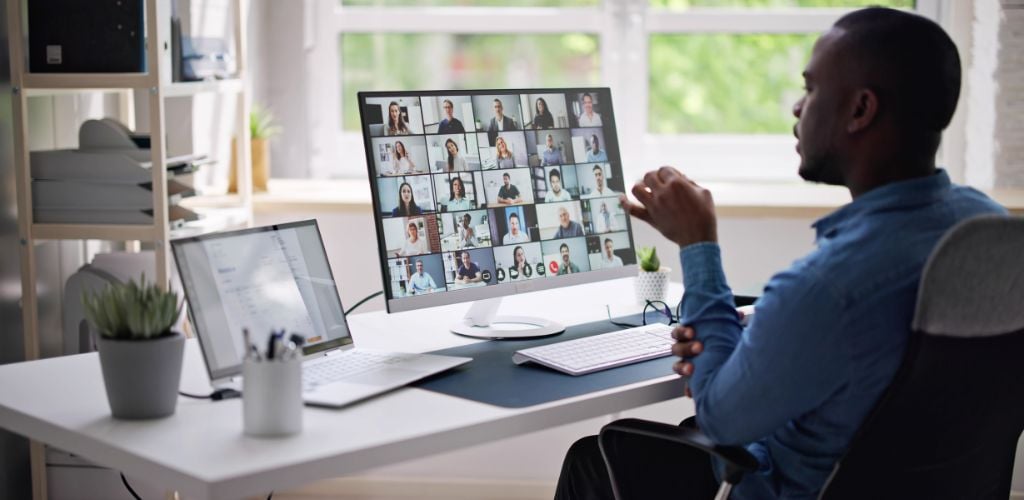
(644, 468)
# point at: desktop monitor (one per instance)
(479, 194)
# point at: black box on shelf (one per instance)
(96, 36)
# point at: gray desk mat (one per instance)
(494, 379)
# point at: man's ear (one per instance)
(865, 110)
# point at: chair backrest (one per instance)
(948, 425)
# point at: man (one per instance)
(514, 235)
(556, 193)
(508, 194)
(605, 221)
(608, 258)
(421, 282)
(795, 386)
(588, 118)
(567, 228)
(499, 123)
(600, 189)
(550, 155)
(567, 267)
(450, 124)
(468, 271)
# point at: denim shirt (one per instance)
(827, 337)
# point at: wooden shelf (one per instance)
(110, 232)
(57, 83)
(180, 89)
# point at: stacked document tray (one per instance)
(107, 180)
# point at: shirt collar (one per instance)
(903, 194)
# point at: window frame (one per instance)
(624, 29)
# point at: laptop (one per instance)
(278, 277)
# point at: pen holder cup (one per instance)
(272, 397)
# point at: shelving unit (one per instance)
(157, 84)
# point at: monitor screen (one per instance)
(260, 279)
(485, 193)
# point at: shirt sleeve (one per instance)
(748, 383)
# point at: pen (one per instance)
(271, 345)
(247, 340)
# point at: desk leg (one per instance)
(37, 460)
(172, 495)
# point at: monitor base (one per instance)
(541, 328)
(482, 320)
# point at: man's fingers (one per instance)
(687, 349)
(653, 180)
(636, 210)
(682, 332)
(684, 368)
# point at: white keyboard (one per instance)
(345, 364)
(600, 352)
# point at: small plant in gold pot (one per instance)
(140, 353)
(261, 129)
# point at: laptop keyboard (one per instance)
(600, 352)
(346, 364)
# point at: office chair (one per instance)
(948, 425)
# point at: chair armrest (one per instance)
(738, 461)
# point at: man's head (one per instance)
(563, 217)
(550, 141)
(609, 245)
(466, 219)
(564, 250)
(881, 85)
(498, 108)
(513, 223)
(599, 177)
(588, 103)
(449, 108)
(555, 177)
(506, 178)
(419, 266)
(465, 259)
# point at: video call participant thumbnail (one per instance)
(568, 256)
(559, 182)
(518, 262)
(594, 180)
(471, 268)
(588, 115)
(405, 196)
(495, 114)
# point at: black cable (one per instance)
(619, 324)
(368, 297)
(130, 490)
(217, 395)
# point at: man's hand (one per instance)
(676, 206)
(688, 347)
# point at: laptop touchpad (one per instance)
(386, 376)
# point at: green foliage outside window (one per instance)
(421, 61)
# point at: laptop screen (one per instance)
(260, 280)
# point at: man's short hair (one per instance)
(909, 61)
(608, 240)
(498, 101)
(449, 102)
(598, 167)
(506, 175)
(513, 214)
(585, 95)
(554, 173)
(563, 246)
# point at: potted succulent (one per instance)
(140, 354)
(652, 282)
(261, 130)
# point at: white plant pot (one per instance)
(652, 285)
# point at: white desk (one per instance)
(201, 452)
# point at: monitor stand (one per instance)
(482, 322)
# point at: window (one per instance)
(706, 85)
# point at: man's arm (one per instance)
(745, 384)
(748, 383)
